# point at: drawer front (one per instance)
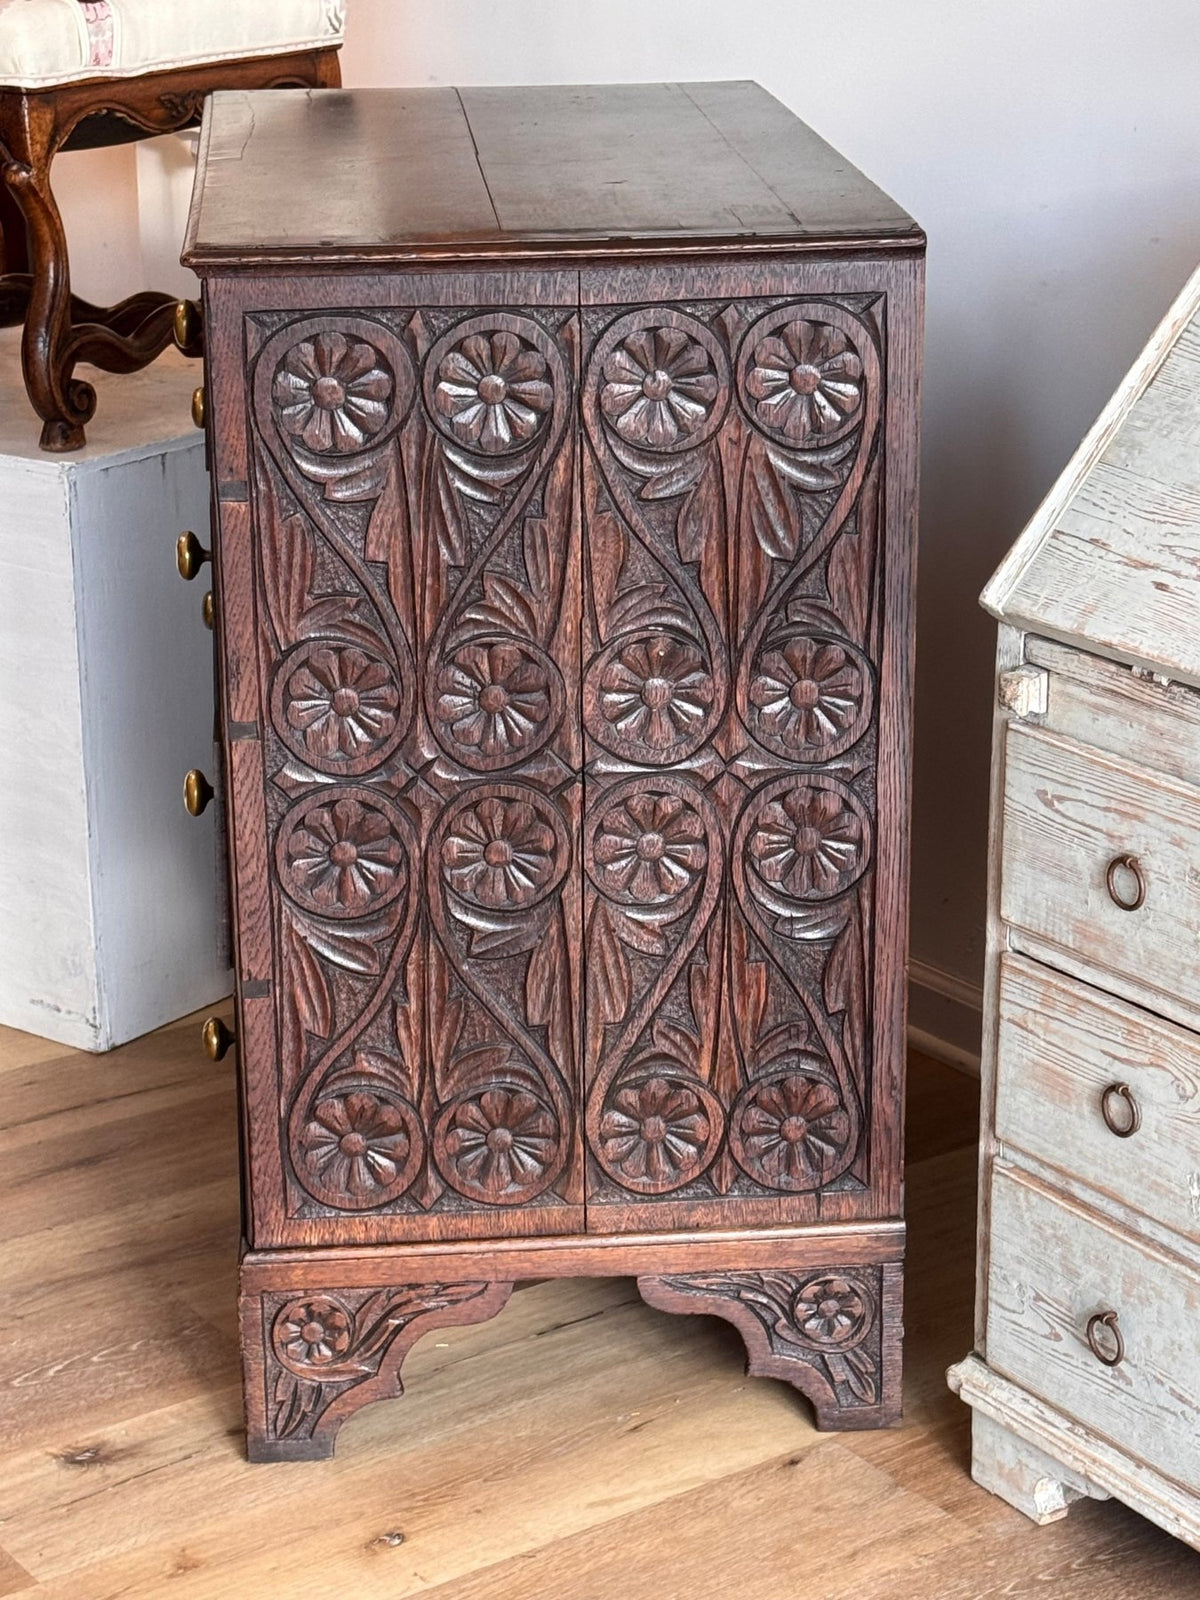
(1070, 815)
(1053, 1268)
(744, 708)
(398, 588)
(1065, 1051)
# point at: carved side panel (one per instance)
(413, 494)
(731, 479)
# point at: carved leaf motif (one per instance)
(294, 1401)
(676, 1043)
(610, 988)
(700, 518)
(606, 552)
(677, 478)
(288, 569)
(772, 516)
(360, 948)
(845, 987)
(648, 606)
(445, 512)
(505, 606)
(312, 1004)
(639, 931)
(446, 1018)
(496, 933)
(547, 993)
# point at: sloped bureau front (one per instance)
(734, 620)
(415, 569)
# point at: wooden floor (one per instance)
(581, 1445)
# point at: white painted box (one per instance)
(107, 886)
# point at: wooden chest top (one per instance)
(333, 177)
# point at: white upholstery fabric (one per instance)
(47, 42)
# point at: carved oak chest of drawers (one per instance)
(1086, 1377)
(564, 451)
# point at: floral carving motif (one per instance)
(789, 1131)
(494, 703)
(833, 1312)
(360, 1148)
(333, 394)
(805, 381)
(658, 1133)
(326, 1344)
(499, 1145)
(822, 1333)
(660, 387)
(337, 705)
(493, 392)
(341, 857)
(313, 1333)
(811, 842)
(649, 848)
(812, 698)
(503, 852)
(656, 693)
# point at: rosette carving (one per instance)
(499, 701)
(343, 854)
(501, 1145)
(489, 388)
(790, 1130)
(336, 706)
(807, 839)
(658, 1131)
(810, 697)
(803, 380)
(333, 395)
(362, 1145)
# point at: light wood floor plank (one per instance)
(581, 1445)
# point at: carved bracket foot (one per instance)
(313, 1357)
(833, 1332)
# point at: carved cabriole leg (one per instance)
(313, 1357)
(1020, 1473)
(30, 137)
(833, 1333)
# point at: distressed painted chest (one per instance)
(1086, 1376)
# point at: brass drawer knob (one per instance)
(197, 792)
(190, 556)
(206, 610)
(198, 406)
(1112, 879)
(217, 1039)
(188, 328)
(1109, 1349)
(1121, 1112)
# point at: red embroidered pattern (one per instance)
(99, 19)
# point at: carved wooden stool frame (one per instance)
(325, 1332)
(60, 329)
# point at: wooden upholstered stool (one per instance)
(80, 73)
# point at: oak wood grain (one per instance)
(536, 170)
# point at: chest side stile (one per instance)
(403, 758)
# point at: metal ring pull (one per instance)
(1122, 1124)
(1128, 864)
(1106, 1319)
